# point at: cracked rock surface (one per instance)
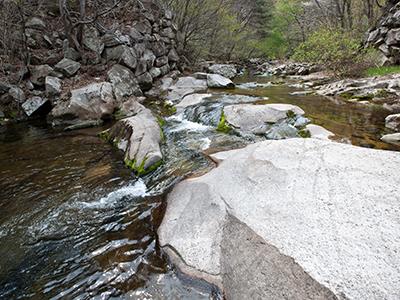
(292, 219)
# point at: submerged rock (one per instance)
(293, 219)
(139, 137)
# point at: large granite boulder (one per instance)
(139, 137)
(255, 118)
(92, 102)
(228, 71)
(292, 219)
(124, 82)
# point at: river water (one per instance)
(76, 224)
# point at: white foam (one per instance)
(186, 125)
(138, 189)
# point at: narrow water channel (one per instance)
(76, 224)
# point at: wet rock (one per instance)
(228, 71)
(256, 118)
(53, 86)
(244, 212)
(67, 67)
(84, 124)
(393, 138)
(124, 82)
(319, 132)
(122, 54)
(139, 137)
(191, 100)
(393, 122)
(1, 115)
(218, 81)
(36, 106)
(17, 94)
(39, 74)
(92, 102)
(91, 39)
(35, 23)
(362, 89)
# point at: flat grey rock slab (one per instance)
(249, 117)
(291, 219)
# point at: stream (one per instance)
(75, 223)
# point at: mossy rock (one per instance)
(140, 170)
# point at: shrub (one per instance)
(338, 51)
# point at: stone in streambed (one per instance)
(393, 138)
(228, 71)
(218, 81)
(139, 137)
(255, 118)
(293, 219)
(393, 122)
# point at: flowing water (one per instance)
(76, 224)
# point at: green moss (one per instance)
(118, 114)
(161, 121)
(382, 93)
(169, 109)
(304, 133)
(291, 114)
(104, 135)
(140, 170)
(347, 95)
(223, 125)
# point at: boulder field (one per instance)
(291, 219)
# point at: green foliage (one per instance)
(283, 35)
(336, 50)
(381, 71)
